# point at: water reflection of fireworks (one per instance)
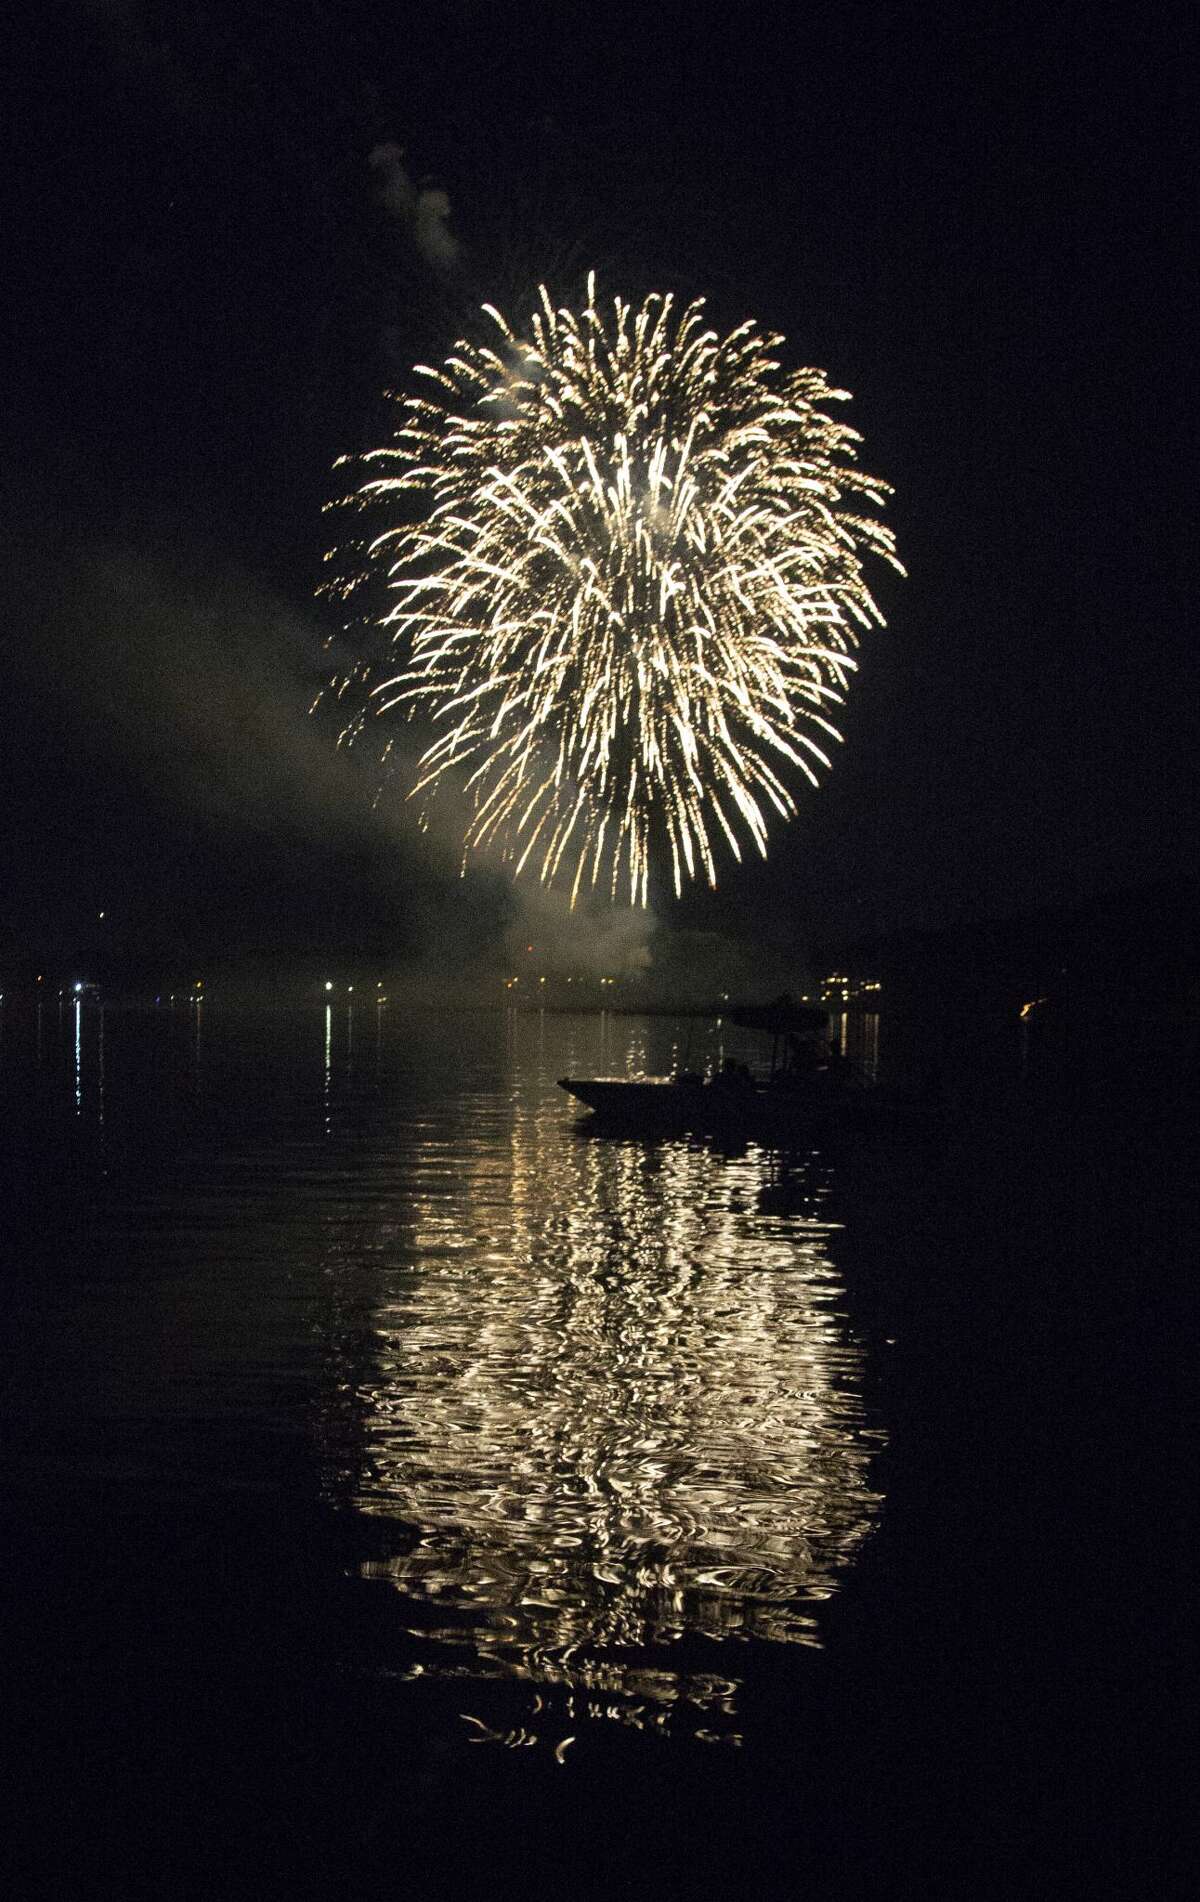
(619, 1409)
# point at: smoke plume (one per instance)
(422, 210)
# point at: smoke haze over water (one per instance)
(168, 691)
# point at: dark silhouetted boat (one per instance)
(807, 1091)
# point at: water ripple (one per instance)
(618, 1408)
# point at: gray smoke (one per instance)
(422, 210)
(596, 939)
(191, 672)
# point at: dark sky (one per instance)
(975, 222)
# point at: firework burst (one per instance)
(633, 594)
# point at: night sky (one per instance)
(974, 222)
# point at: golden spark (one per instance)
(633, 594)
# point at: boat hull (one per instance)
(668, 1103)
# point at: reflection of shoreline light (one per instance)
(617, 1405)
(328, 1062)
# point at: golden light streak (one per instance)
(633, 592)
(616, 1404)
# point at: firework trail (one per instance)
(632, 595)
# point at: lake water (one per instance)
(404, 1481)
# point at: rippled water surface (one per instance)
(361, 1408)
(615, 1401)
(597, 1397)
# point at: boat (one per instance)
(715, 1105)
(808, 1091)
